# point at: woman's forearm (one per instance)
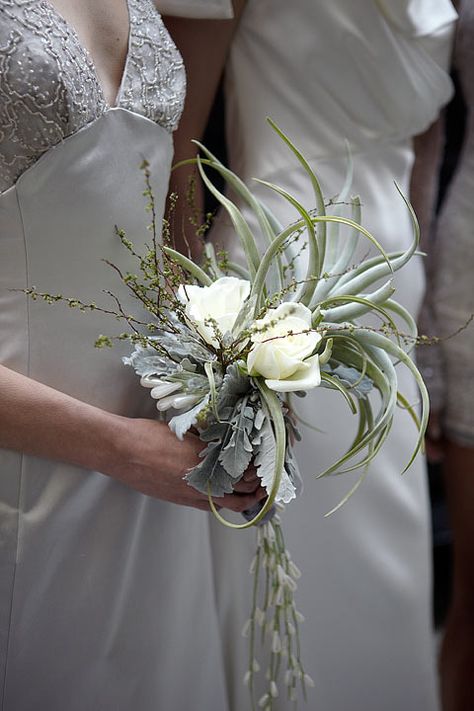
(141, 453)
(41, 421)
(204, 46)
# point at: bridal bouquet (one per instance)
(225, 348)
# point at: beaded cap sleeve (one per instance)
(49, 87)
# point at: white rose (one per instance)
(285, 361)
(221, 301)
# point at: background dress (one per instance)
(105, 594)
(447, 367)
(372, 73)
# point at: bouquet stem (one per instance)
(274, 612)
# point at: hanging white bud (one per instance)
(246, 628)
(279, 597)
(294, 570)
(255, 666)
(163, 389)
(276, 643)
(299, 616)
(247, 677)
(264, 701)
(273, 690)
(150, 381)
(270, 533)
(308, 680)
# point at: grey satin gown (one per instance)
(106, 598)
(373, 73)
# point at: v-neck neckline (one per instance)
(70, 27)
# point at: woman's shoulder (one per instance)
(418, 18)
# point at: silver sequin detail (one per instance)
(49, 87)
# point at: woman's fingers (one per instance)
(240, 502)
(247, 487)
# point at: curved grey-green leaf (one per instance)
(318, 194)
(210, 255)
(335, 384)
(358, 305)
(338, 267)
(276, 282)
(266, 260)
(304, 292)
(188, 265)
(240, 225)
(385, 345)
(410, 323)
(387, 385)
(237, 269)
(371, 271)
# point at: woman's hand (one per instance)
(152, 460)
(143, 454)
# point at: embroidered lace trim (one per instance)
(49, 87)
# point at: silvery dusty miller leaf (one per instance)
(210, 473)
(180, 424)
(265, 463)
(237, 453)
(234, 385)
(291, 466)
(146, 361)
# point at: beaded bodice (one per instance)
(49, 87)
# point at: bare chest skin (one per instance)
(103, 29)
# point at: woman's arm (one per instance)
(204, 46)
(423, 192)
(143, 454)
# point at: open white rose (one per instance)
(221, 301)
(285, 361)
